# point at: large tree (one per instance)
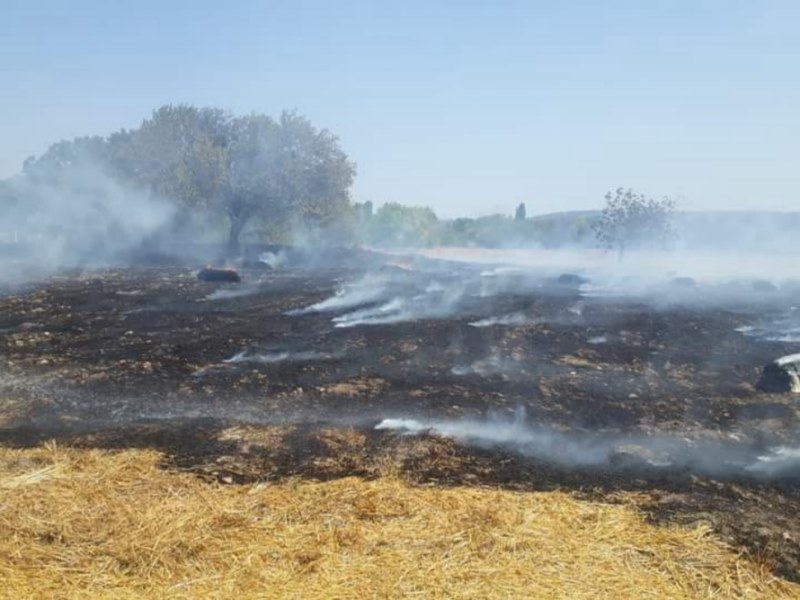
(632, 220)
(283, 170)
(180, 153)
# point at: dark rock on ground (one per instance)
(219, 275)
(781, 375)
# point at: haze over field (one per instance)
(466, 107)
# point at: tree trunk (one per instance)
(237, 226)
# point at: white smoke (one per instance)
(637, 269)
(380, 299)
(517, 319)
(81, 218)
(585, 449)
(239, 291)
(284, 356)
(540, 442)
(779, 461)
(369, 288)
(266, 357)
(390, 312)
(486, 367)
(436, 302)
(273, 259)
(782, 328)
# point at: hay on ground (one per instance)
(77, 523)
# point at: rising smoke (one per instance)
(609, 450)
(398, 297)
(82, 218)
(516, 319)
(274, 260)
(249, 356)
(782, 327)
(494, 364)
(435, 302)
(370, 288)
(238, 291)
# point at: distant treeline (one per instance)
(397, 225)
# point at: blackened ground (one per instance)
(137, 358)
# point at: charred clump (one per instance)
(781, 375)
(224, 275)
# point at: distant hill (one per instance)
(569, 214)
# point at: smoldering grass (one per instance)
(394, 311)
(267, 357)
(516, 319)
(486, 367)
(230, 293)
(609, 449)
(282, 356)
(778, 461)
(437, 301)
(782, 328)
(368, 289)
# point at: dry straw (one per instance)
(96, 524)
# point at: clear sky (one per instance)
(469, 107)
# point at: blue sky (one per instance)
(469, 107)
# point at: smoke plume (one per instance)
(281, 356)
(82, 218)
(610, 450)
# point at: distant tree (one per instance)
(398, 225)
(65, 157)
(358, 222)
(367, 210)
(521, 212)
(632, 220)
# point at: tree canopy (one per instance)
(396, 225)
(285, 170)
(632, 219)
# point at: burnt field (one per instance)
(449, 374)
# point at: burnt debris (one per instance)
(219, 275)
(781, 375)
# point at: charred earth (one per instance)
(453, 373)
